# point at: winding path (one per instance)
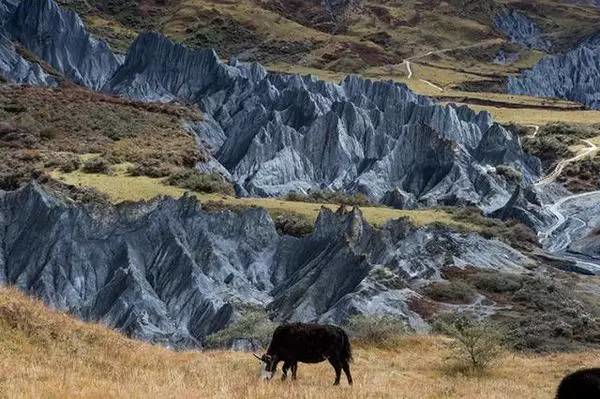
(561, 165)
(557, 237)
(536, 130)
(427, 54)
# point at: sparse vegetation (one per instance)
(509, 173)
(43, 129)
(582, 176)
(201, 182)
(377, 331)
(475, 346)
(330, 197)
(253, 325)
(44, 353)
(122, 187)
(96, 165)
(548, 313)
(293, 224)
(554, 139)
(497, 282)
(450, 292)
(512, 232)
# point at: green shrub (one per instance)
(378, 331)
(201, 182)
(475, 345)
(497, 282)
(509, 173)
(328, 197)
(450, 292)
(293, 224)
(253, 325)
(151, 168)
(97, 165)
(48, 133)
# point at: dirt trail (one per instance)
(557, 237)
(427, 54)
(561, 165)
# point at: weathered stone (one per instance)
(59, 37)
(169, 272)
(573, 76)
(520, 29)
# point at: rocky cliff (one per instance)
(574, 75)
(280, 133)
(276, 133)
(59, 38)
(170, 272)
(14, 68)
(520, 29)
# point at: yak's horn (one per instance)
(258, 357)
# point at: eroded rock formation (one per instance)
(169, 272)
(572, 76)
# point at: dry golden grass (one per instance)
(121, 187)
(539, 116)
(45, 354)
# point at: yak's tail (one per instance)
(347, 348)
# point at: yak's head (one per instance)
(268, 366)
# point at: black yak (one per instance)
(307, 343)
(582, 384)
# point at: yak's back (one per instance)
(582, 384)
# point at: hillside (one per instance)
(460, 46)
(170, 192)
(48, 354)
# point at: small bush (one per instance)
(379, 331)
(97, 165)
(328, 197)
(496, 282)
(70, 165)
(253, 325)
(201, 182)
(48, 133)
(475, 346)
(450, 292)
(509, 173)
(150, 168)
(293, 224)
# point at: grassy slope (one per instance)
(121, 187)
(46, 128)
(45, 354)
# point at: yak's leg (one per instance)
(338, 369)
(284, 369)
(346, 368)
(294, 370)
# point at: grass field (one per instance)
(121, 187)
(46, 354)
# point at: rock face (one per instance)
(16, 69)
(171, 273)
(520, 29)
(279, 133)
(572, 76)
(59, 37)
(273, 133)
(13, 67)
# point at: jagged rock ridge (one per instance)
(171, 273)
(279, 133)
(520, 29)
(59, 38)
(274, 133)
(572, 76)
